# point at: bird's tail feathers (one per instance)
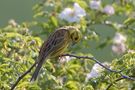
(38, 67)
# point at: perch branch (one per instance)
(79, 57)
(97, 61)
(21, 77)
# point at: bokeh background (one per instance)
(108, 29)
(21, 11)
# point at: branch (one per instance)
(94, 59)
(97, 61)
(121, 78)
(114, 82)
(79, 57)
(21, 77)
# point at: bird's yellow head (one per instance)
(75, 34)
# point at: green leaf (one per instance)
(129, 21)
(73, 85)
(54, 21)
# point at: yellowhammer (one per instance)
(55, 45)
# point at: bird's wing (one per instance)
(53, 41)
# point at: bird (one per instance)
(55, 45)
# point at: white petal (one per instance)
(109, 10)
(72, 15)
(119, 48)
(96, 71)
(65, 13)
(80, 12)
(95, 4)
(119, 38)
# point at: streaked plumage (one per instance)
(55, 45)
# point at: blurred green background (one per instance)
(20, 42)
(21, 11)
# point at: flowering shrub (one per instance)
(72, 15)
(108, 29)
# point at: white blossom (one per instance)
(119, 45)
(64, 59)
(119, 48)
(72, 15)
(95, 4)
(96, 71)
(109, 10)
(12, 22)
(119, 38)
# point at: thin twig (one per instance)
(20, 77)
(114, 82)
(94, 59)
(79, 57)
(127, 77)
(121, 78)
(97, 61)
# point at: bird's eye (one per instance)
(76, 38)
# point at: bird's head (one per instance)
(75, 34)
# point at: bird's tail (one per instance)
(38, 67)
(35, 74)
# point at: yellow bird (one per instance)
(55, 45)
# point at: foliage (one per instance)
(18, 51)
(19, 46)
